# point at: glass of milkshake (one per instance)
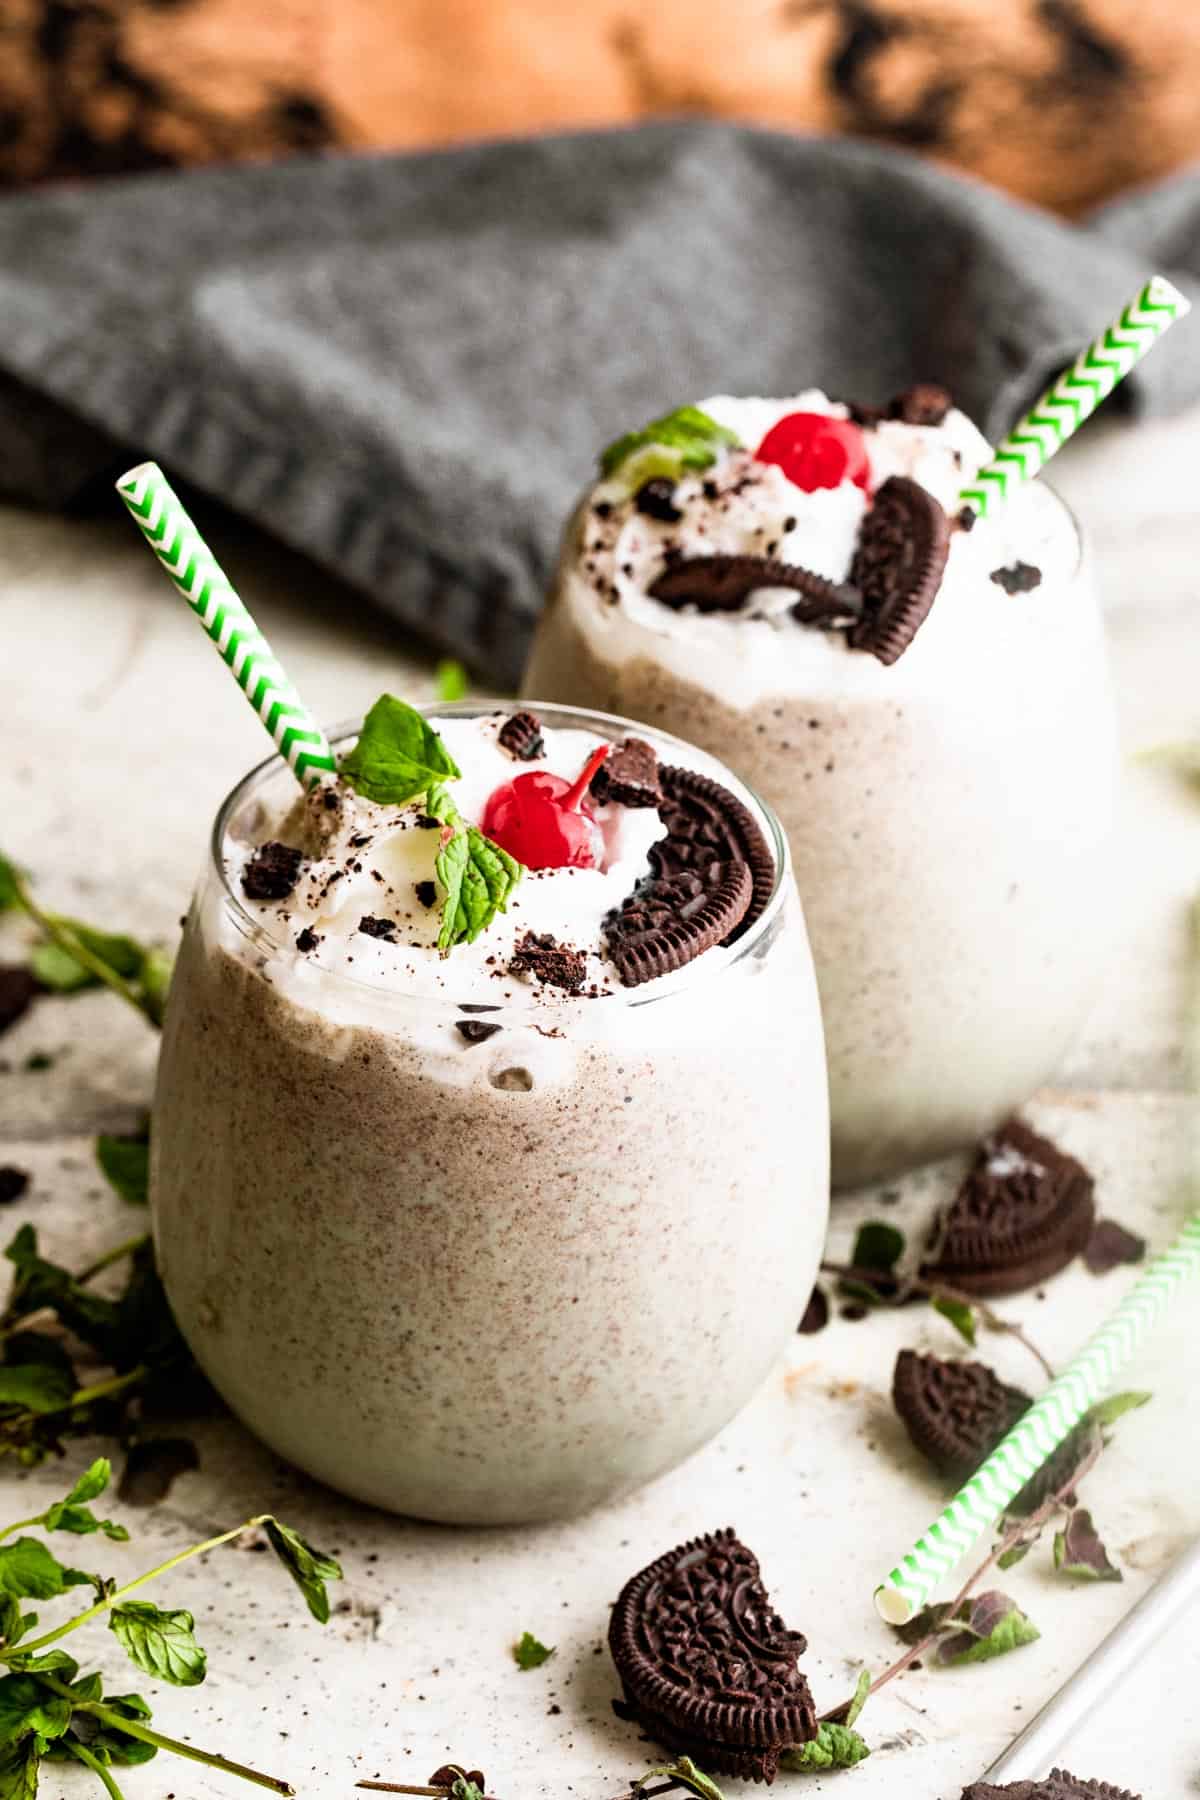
(479, 1199)
(922, 697)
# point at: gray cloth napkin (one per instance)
(404, 365)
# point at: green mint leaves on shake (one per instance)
(684, 439)
(398, 755)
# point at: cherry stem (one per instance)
(570, 801)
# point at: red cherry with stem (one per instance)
(539, 818)
(815, 451)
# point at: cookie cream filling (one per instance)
(739, 506)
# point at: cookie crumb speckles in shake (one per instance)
(480, 1055)
(922, 695)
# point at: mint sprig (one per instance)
(398, 756)
(477, 874)
(690, 438)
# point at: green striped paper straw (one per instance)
(1038, 1434)
(194, 569)
(1076, 394)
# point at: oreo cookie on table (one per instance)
(954, 1412)
(1023, 1212)
(898, 564)
(1058, 1785)
(725, 583)
(708, 1667)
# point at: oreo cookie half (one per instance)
(705, 824)
(1024, 1211)
(903, 544)
(1058, 1785)
(670, 921)
(725, 583)
(954, 1412)
(708, 1667)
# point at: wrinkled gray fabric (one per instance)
(404, 365)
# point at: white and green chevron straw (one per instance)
(194, 569)
(1034, 1438)
(1076, 394)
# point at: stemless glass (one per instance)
(498, 1281)
(950, 820)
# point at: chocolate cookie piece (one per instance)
(671, 920)
(476, 1031)
(1017, 578)
(552, 963)
(628, 776)
(18, 989)
(707, 1665)
(370, 926)
(954, 1412)
(706, 824)
(656, 499)
(521, 736)
(1058, 1785)
(725, 583)
(902, 548)
(1024, 1211)
(925, 403)
(272, 872)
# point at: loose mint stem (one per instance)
(97, 1768)
(130, 1247)
(131, 1728)
(28, 1645)
(66, 939)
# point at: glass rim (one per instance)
(1078, 537)
(680, 982)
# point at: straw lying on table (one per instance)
(1076, 394)
(1035, 1436)
(195, 571)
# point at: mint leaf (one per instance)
(834, 1747)
(478, 876)
(13, 1622)
(878, 1247)
(451, 681)
(960, 1315)
(72, 1515)
(690, 435)
(1008, 1559)
(25, 1706)
(58, 970)
(862, 1693)
(154, 979)
(529, 1654)
(1078, 1551)
(38, 1283)
(398, 755)
(91, 1484)
(159, 1641)
(111, 1744)
(686, 1774)
(9, 896)
(990, 1625)
(28, 1571)
(19, 1768)
(125, 1164)
(310, 1569)
(36, 1387)
(1107, 1412)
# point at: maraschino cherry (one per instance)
(541, 819)
(815, 451)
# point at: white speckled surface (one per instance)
(128, 732)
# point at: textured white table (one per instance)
(123, 734)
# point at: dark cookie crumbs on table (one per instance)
(1110, 1245)
(18, 989)
(628, 776)
(426, 892)
(1018, 578)
(1058, 1785)
(1023, 1212)
(724, 584)
(13, 1183)
(307, 940)
(925, 403)
(656, 499)
(521, 736)
(551, 963)
(706, 824)
(272, 872)
(370, 926)
(707, 1666)
(954, 1412)
(903, 544)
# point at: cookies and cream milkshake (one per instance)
(922, 696)
(491, 1137)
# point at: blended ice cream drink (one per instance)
(491, 1138)
(921, 695)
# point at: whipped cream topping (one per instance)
(613, 553)
(365, 860)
